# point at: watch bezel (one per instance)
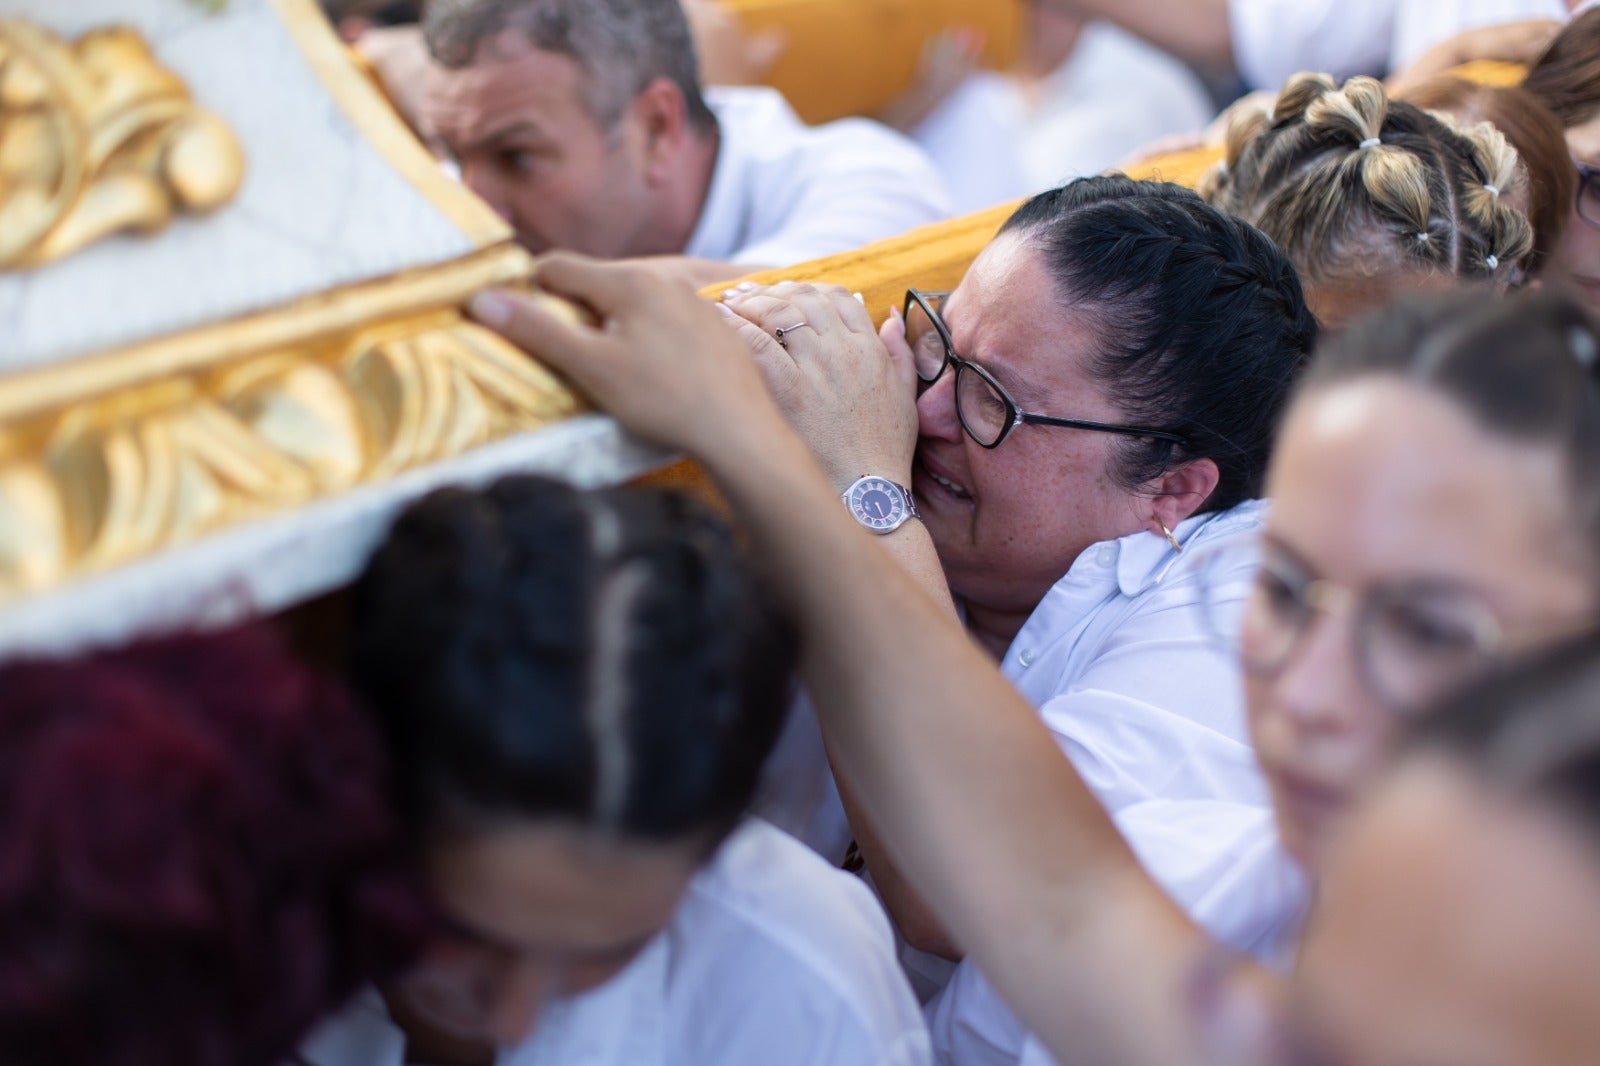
(904, 510)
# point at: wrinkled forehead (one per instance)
(509, 79)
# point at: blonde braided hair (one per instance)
(1353, 184)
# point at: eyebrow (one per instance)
(516, 129)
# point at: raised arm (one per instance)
(973, 797)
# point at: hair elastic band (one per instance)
(1371, 142)
(1493, 262)
(1492, 190)
(1422, 236)
(1585, 348)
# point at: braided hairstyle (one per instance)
(603, 658)
(1356, 186)
(1200, 322)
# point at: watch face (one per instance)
(877, 503)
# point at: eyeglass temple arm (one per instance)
(1100, 427)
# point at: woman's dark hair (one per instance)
(1532, 730)
(1521, 366)
(601, 657)
(1566, 79)
(1200, 319)
(1531, 129)
(200, 858)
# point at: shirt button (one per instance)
(1026, 656)
(1105, 556)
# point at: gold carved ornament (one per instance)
(146, 469)
(156, 446)
(97, 138)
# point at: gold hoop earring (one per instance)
(1170, 538)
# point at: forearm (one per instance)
(912, 549)
(1196, 30)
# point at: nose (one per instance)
(525, 990)
(936, 409)
(1319, 687)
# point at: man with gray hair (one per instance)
(583, 123)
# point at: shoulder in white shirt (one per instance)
(783, 192)
(1149, 707)
(773, 957)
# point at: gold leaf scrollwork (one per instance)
(154, 467)
(97, 138)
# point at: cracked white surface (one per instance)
(319, 207)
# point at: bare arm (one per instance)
(851, 395)
(1195, 30)
(975, 800)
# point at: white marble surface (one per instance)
(319, 208)
(275, 563)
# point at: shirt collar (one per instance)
(717, 234)
(1144, 559)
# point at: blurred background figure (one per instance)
(1083, 97)
(201, 858)
(1268, 41)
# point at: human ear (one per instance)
(661, 116)
(1180, 492)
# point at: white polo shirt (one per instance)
(773, 958)
(1273, 39)
(783, 192)
(1120, 663)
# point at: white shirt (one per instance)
(1121, 665)
(1113, 95)
(1148, 705)
(1273, 39)
(773, 958)
(783, 192)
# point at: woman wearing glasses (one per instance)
(1438, 484)
(1085, 415)
(1567, 80)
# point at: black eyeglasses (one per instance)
(987, 412)
(1588, 193)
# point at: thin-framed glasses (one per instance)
(1412, 640)
(1588, 193)
(986, 410)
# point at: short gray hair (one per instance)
(622, 45)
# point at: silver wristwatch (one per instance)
(879, 504)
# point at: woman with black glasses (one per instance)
(1436, 511)
(1049, 448)
(1567, 80)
